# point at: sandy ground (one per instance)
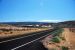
(68, 42)
(16, 33)
(70, 38)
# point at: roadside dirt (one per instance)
(6, 32)
(70, 38)
(69, 41)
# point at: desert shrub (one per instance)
(56, 40)
(62, 38)
(53, 49)
(11, 32)
(65, 48)
(58, 32)
(7, 30)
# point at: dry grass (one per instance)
(69, 41)
(70, 38)
(16, 32)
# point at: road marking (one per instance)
(20, 37)
(29, 42)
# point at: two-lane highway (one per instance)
(18, 43)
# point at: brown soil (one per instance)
(70, 38)
(17, 31)
(68, 42)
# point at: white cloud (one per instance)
(49, 21)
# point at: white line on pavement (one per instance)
(20, 37)
(29, 42)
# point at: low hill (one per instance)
(67, 24)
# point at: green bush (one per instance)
(58, 32)
(65, 48)
(62, 38)
(56, 40)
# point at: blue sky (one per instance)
(37, 10)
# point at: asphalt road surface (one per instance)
(30, 42)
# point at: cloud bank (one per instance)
(49, 21)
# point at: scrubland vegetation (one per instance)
(63, 39)
(10, 31)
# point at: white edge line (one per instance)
(19, 38)
(29, 42)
